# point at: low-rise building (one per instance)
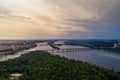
(116, 45)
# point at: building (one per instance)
(116, 45)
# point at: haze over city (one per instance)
(47, 19)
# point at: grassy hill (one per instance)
(44, 66)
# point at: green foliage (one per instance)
(45, 66)
(53, 46)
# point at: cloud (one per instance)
(4, 11)
(60, 27)
(58, 17)
(15, 16)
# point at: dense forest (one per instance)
(45, 66)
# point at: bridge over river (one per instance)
(66, 50)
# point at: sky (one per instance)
(59, 19)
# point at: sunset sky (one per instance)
(59, 19)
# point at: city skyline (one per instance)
(59, 19)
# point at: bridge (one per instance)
(67, 50)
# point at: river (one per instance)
(44, 46)
(105, 59)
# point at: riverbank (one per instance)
(1, 54)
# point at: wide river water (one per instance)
(105, 59)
